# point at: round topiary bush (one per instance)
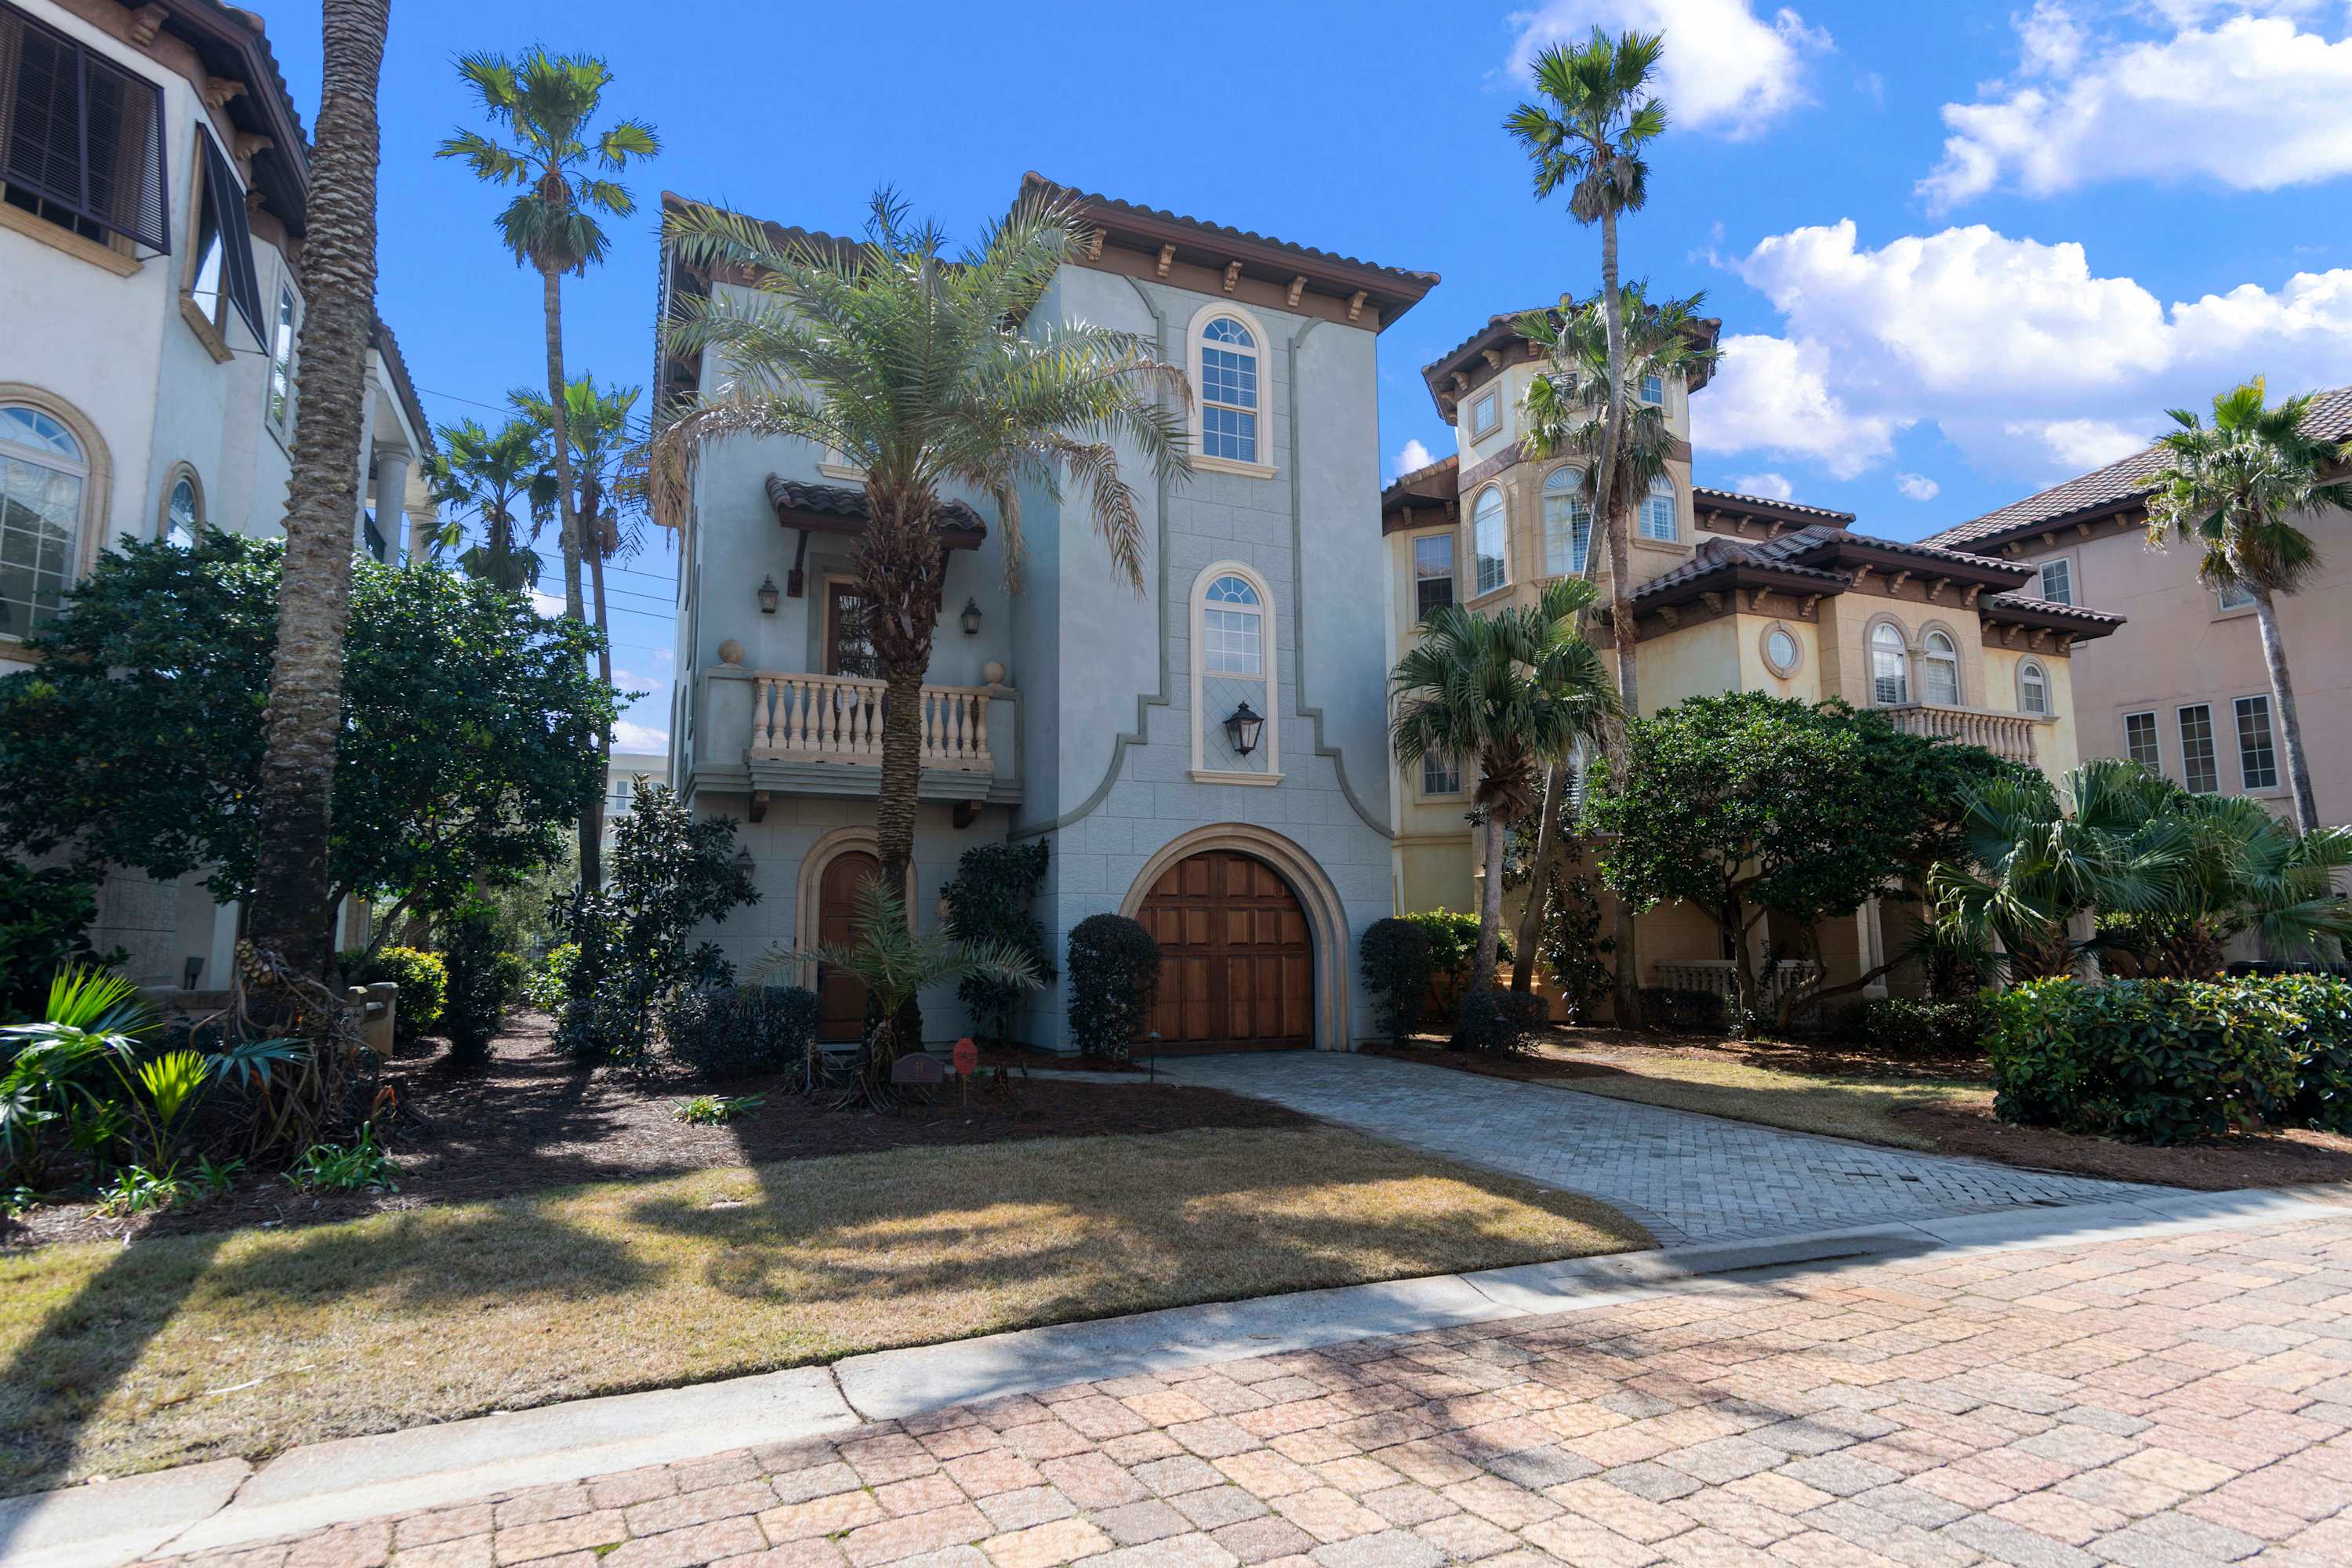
(1397, 964)
(1114, 976)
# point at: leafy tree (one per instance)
(1508, 687)
(1748, 806)
(292, 912)
(1574, 951)
(45, 916)
(466, 739)
(488, 473)
(989, 900)
(2237, 488)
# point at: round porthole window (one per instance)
(1782, 651)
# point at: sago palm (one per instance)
(490, 473)
(1512, 689)
(2237, 488)
(927, 373)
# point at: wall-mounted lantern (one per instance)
(1242, 728)
(769, 595)
(745, 863)
(971, 617)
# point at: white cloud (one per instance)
(2252, 101)
(1726, 70)
(1772, 396)
(1917, 487)
(628, 736)
(549, 605)
(1412, 455)
(2084, 444)
(1771, 487)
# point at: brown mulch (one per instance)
(529, 1119)
(2294, 1157)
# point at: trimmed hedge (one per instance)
(1397, 964)
(1498, 1021)
(740, 1031)
(2165, 1061)
(422, 979)
(1901, 1026)
(1114, 976)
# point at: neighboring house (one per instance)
(153, 178)
(1075, 712)
(624, 772)
(2183, 687)
(1734, 593)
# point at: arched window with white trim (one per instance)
(1658, 511)
(1567, 523)
(1890, 666)
(1235, 736)
(1231, 384)
(1490, 540)
(44, 473)
(2033, 688)
(1939, 670)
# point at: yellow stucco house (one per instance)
(1734, 593)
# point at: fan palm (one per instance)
(920, 371)
(1512, 688)
(2236, 486)
(2242, 869)
(490, 473)
(896, 966)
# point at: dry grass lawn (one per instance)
(182, 1348)
(1839, 1106)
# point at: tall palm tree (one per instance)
(1510, 688)
(1567, 407)
(489, 474)
(597, 428)
(293, 913)
(1589, 134)
(919, 370)
(2236, 487)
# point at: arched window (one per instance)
(1658, 511)
(1235, 736)
(1890, 666)
(1490, 540)
(183, 508)
(1567, 523)
(44, 473)
(1939, 671)
(1230, 387)
(2034, 689)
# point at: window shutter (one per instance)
(236, 237)
(81, 134)
(44, 129)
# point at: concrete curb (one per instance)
(228, 1503)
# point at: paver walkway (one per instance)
(2157, 1402)
(1687, 1177)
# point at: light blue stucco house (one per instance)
(1075, 711)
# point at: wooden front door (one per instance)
(841, 998)
(1235, 968)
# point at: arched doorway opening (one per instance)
(841, 999)
(1237, 961)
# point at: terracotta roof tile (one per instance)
(1421, 281)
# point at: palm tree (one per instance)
(1567, 408)
(597, 429)
(1511, 688)
(545, 102)
(2241, 869)
(919, 370)
(293, 914)
(487, 473)
(2236, 487)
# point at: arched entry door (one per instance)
(841, 998)
(1236, 967)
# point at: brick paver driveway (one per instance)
(2151, 1402)
(1688, 1178)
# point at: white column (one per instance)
(391, 503)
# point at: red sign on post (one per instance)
(967, 1062)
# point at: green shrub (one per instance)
(549, 979)
(713, 1110)
(1683, 1011)
(422, 979)
(1574, 951)
(1453, 950)
(2152, 1061)
(484, 976)
(1498, 1022)
(1900, 1026)
(1397, 966)
(2323, 1046)
(333, 1168)
(1114, 979)
(45, 916)
(988, 900)
(723, 1033)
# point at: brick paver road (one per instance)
(1688, 1178)
(2155, 1404)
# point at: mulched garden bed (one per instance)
(529, 1119)
(2295, 1157)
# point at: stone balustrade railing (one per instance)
(799, 717)
(2009, 735)
(1721, 977)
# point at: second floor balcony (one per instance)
(2010, 736)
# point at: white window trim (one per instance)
(2049, 690)
(1470, 521)
(1194, 344)
(2213, 742)
(284, 434)
(1870, 662)
(2156, 728)
(1544, 493)
(96, 472)
(1270, 738)
(2238, 750)
(1674, 493)
(1412, 567)
(1764, 650)
(2074, 575)
(2222, 609)
(1921, 659)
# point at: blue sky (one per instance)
(1960, 250)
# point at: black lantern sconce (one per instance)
(1242, 728)
(745, 863)
(769, 595)
(971, 617)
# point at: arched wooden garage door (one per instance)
(1235, 965)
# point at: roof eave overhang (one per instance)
(2100, 512)
(1755, 509)
(1505, 330)
(2080, 628)
(1857, 550)
(1808, 583)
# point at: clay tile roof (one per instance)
(396, 367)
(2028, 603)
(848, 504)
(1764, 506)
(1775, 556)
(2118, 485)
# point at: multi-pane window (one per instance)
(2140, 743)
(1658, 511)
(1440, 774)
(183, 516)
(2199, 772)
(1485, 415)
(1939, 670)
(2236, 596)
(2257, 756)
(220, 261)
(2034, 689)
(1230, 639)
(1890, 666)
(2058, 581)
(1229, 391)
(1653, 391)
(1567, 523)
(616, 801)
(1489, 539)
(281, 364)
(1433, 572)
(43, 472)
(81, 139)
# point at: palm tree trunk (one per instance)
(1531, 916)
(2298, 765)
(591, 823)
(1621, 598)
(1490, 906)
(292, 914)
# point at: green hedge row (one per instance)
(2164, 1061)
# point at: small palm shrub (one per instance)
(1396, 962)
(1114, 981)
(422, 979)
(742, 1031)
